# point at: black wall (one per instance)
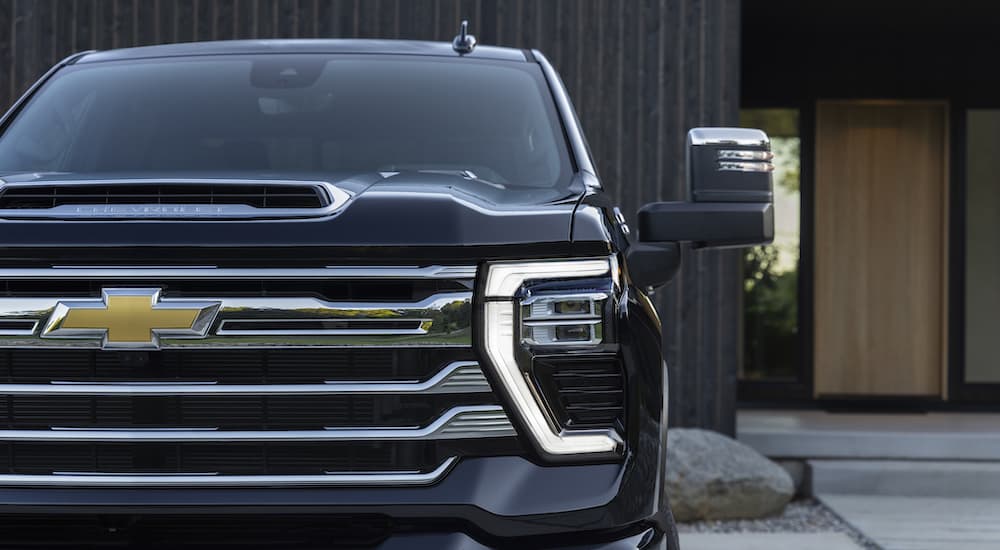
(640, 72)
(795, 52)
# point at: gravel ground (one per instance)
(800, 516)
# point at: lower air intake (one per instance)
(584, 394)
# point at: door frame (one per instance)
(960, 394)
(797, 392)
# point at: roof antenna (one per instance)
(464, 43)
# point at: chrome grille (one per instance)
(289, 389)
(442, 319)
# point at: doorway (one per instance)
(880, 264)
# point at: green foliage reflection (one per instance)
(770, 316)
(770, 274)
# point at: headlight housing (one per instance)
(563, 319)
(536, 304)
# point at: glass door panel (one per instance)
(982, 247)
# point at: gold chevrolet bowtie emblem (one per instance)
(130, 318)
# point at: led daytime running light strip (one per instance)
(502, 282)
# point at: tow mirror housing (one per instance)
(731, 201)
(729, 165)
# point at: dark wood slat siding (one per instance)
(7, 46)
(640, 71)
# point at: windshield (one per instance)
(287, 114)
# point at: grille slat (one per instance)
(39, 458)
(245, 412)
(456, 422)
(252, 366)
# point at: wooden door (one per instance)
(880, 248)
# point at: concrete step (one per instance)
(818, 434)
(904, 478)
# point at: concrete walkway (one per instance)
(921, 523)
(767, 541)
(906, 481)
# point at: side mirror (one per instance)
(730, 193)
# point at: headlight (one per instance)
(563, 319)
(548, 318)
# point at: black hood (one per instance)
(391, 211)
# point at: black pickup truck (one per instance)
(345, 293)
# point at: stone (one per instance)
(710, 476)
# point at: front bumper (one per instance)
(482, 503)
(648, 539)
(181, 532)
(501, 496)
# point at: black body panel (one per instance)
(415, 211)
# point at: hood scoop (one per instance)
(169, 199)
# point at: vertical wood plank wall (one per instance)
(639, 71)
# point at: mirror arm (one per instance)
(652, 265)
(716, 224)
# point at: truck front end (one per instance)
(335, 291)
(362, 294)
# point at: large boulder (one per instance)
(710, 476)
